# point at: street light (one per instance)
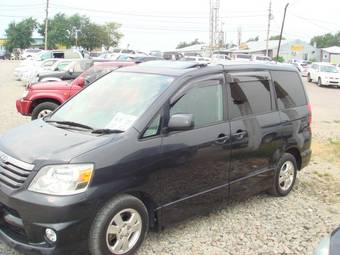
(283, 23)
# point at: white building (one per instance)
(290, 49)
(330, 54)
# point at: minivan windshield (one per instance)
(114, 101)
(328, 69)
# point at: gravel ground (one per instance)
(261, 224)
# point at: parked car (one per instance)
(198, 59)
(241, 57)
(29, 73)
(65, 70)
(261, 58)
(29, 53)
(146, 146)
(218, 57)
(324, 74)
(303, 68)
(41, 99)
(330, 245)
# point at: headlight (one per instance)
(25, 94)
(62, 179)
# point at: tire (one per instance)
(319, 82)
(278, 188)
(103, 243)
(46, 107)
(308, 78)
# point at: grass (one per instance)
(329, 151)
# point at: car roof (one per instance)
(205, 69)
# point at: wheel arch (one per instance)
(38, 101)
(149, 204)
(297, 155)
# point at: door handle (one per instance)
(240, 134)
(221, 139)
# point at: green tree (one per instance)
(59, 31)
(19, 35)
(255, 39)
(276, 37)
(326, 40)
(78, 30)
(181, 45)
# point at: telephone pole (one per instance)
(46, 23)
(283, 23)
(268, 28)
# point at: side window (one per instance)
(62, 65)
(289, 89)
(205, 103)
(153, 127)
(249, 97)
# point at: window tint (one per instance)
(205, 103)
(250, 97)
(289, 89)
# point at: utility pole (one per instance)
(46, 24)
(268, 28)
(211, 27)
(283, 23)
(239, 36)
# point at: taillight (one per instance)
(309, 114)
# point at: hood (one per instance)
(49, 73)
(328, 74)
(39, 141)
(55, 85)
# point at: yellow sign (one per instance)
(243, 46)
(61, 46)
(297, 47)
(2, 42)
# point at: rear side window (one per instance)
(289, 89)
(249, 97)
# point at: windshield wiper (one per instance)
(70, 123)
(105, 131)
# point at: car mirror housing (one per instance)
(80, 81)
(181, 122)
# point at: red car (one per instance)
(41, 99)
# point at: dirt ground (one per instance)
(261, 224)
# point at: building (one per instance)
(290, 49)
(330, 54)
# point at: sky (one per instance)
(162, 24)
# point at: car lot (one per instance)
(263, 224)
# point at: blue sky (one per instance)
(160, 24)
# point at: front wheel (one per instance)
(309, 79)
(43, 109)
(285, 176)
(319, 82)
(119, 227)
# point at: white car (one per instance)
(30, 73)
(241, 57)
(303, 68)
(324, 74)
(30, 53)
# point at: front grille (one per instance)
(13, 172)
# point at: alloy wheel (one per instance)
(124, 231)
(286, 176)
(43, 113)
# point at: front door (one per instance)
(198, 159)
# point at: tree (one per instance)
(326, 40)
(19, 35)
(276, 37)
(79, 30)
(255, 39)
(185, 44)
(59, 31)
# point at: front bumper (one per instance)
(24, 106)
(25, 215)
(331, 82)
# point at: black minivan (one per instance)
(145, 146)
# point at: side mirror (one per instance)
(80, 81)
(56, 69)
(181, 122)
(70, 70)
